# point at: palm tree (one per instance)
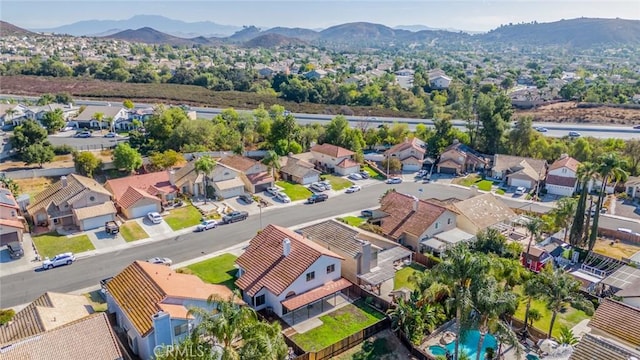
(99, 117)
(110, 121)
(510, 271)
(263, 341)
(532, 289)
(432, 316)
(566, 336)
(405, 318)
(564, 213)
(610, 167)
(272, 160)
(9, 113)
(533, 315)
(205, 165)
(585, 174)
(534, 228)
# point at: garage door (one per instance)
(229, 193)
(143, 210)
(96, 222)
(410, 167)
(520, 182)
(262, 187)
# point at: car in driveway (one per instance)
(353, 188)
(15, 250)
(272, 190)
(520, 190)
(355, 176)
(235, 216)
(283, 197)
(317, 187)
(207, 225)
(246, 198)
(154, 217)
(58, 260)
(160, 261)
(326, 184)
(394, 180)
(316, 198)
(364, 174)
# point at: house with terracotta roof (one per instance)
(254, 174)
(151, 304)
(632, 187)
(299, 171)
(333, 158)
(73, 201)
(561, 176)
(410, 153)
(284, 271)
(12, 224)
(409, 220)
(519, 171)
(459, 158)
(90, 337)
(138, 195)
(481, 212)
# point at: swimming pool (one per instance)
(469, 344)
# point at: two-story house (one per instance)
(138, 195)
(299, 171)
(459, 158)
(519, 171)
(409, 220)
(632, 187)
(410, 153)
(561, 177)
(283, 271)
(439, 81)
(73, 201)
(535, 259)
(11, 223)
(151, 304)
(90, 119)
(328, 157)
(226, 181)
(254, 174)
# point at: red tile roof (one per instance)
(403, 219)
(347, 163)
(318, 293)
(405, 145)
(12, 223)
(567, 162)
(561, 181)
(265, 265)
(332, 150)
(260, 178)
(238, 162)
(619, 320)
(152, 183)
(133, 195)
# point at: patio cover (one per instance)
(622, 278)
(316, 294)
(385, 270)
(434, 244)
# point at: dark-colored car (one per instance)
(315, 198)
(111, 227)
(246, 198)
(364, 174)
(235, 216)
(15, 250)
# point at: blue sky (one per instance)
(476, 15)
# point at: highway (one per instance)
(23, 287)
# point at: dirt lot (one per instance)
(568, 112)
(35, 185)
(58, 162)
(617, 250)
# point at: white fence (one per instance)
(34, 173)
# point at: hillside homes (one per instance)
(410, 153)
(332, 158)
(562, 177)
(96, 116)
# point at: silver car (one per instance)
(160, 261)
(206, 225)
(283, 197)
(58, 260)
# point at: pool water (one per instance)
(469, 345)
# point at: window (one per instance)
(449, 221)
(311, 276)
(437, 224)
(259, 300)
(331, 268)
(180, 329)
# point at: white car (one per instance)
(326, 184)
(154, 217)
(206, 225)
(317, 187)
(520, 190)
(353, 188)
(272, 190)
(160, 261)
(58, 260)
(355, 176)
(283, 197)
(394, 180)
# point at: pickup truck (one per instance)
(235, 216)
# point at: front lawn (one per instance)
(97, 301)
(294, 191)
(353, 220)
(338, 325)
(217, 270)
(467, 180)
(569, 318)
(402, 276)
(484, 185)
(372, 173)
(183, 217)
(132, 231)
(337, 183)
(52, 244)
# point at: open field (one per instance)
(59, 161)
(569, 112)
(616, 250)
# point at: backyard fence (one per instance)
(424, 260)
(535, 334)
(46, 172)
(621, 235)
(415, 351)
(371, 298)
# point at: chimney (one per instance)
(172, 177)
(416, 201)
(562, 156)
(63, 180)
(286, 247)
(367, 262)
(455, 141)
(162, 328)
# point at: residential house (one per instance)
(75, 201)
(88, 117)
(226, 181)
(409, 220)
(159, 315)
(561, 177)
(12, 225)
(633, 187)
(299, 171)
(330, 157)
(410, 153)
(614, 335)
(315, 74)
(481, 212)
(12, 114)
(631, 294)
(439, 82)
(138, 195)
(459, 158)
(519, 171)
(254, 174)
(535, 259)
(284, 271)
(37, 113)
(188, 180)
(404, 72)
(88, 338)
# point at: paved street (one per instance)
(19, 288)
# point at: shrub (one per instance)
(585, 306)
(184, 270)
(6, 315)
(64, 149)
(373, 228)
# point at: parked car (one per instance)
(542, 129)
(353, 188)
(637, 127)
(160, 261)
(355, 176)
(247, 198)
(283, 197)
(520, 190)
(326, 184)
(111, 227)
(366, 213)
(206, 225)
(58, 260)
(272, 190)
(394, 180)
(317, 187)
(84, 134)
(15, 250)
(155, 217)
(315, 198)
(235, 216)
(574, 134)
(422, 173)
(110, 135)
(364, 174)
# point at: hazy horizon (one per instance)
(469, 15)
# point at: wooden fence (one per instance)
(424, 260)
(619, 235)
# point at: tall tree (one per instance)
(532, 289)
(86, 163)
(534, 228)
(585, 175)
(53, 121)
(564, 213)
(127, 158)
(272, 160)
(337, 130)
(205, 165)
(128, 104)
(521, 137)
(38, 153)
(26, 134)
(494, 113)
(632, 151)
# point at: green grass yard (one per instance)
(337, 183)
(132, 231)
(467, 180)
(338, 325)
(353, 220)
(217, 270)
(183, 217)
(484, 185)
(402, 276)
(294, 191)
(52, 244)
(372, 173)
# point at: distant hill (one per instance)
(151, 36)
(359, 32)
(246, 34)
(579, 33)
(7, 29)
(298, 33)
(272, 41)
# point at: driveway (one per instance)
(627, 209)
(154, 230)
(101, 240)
